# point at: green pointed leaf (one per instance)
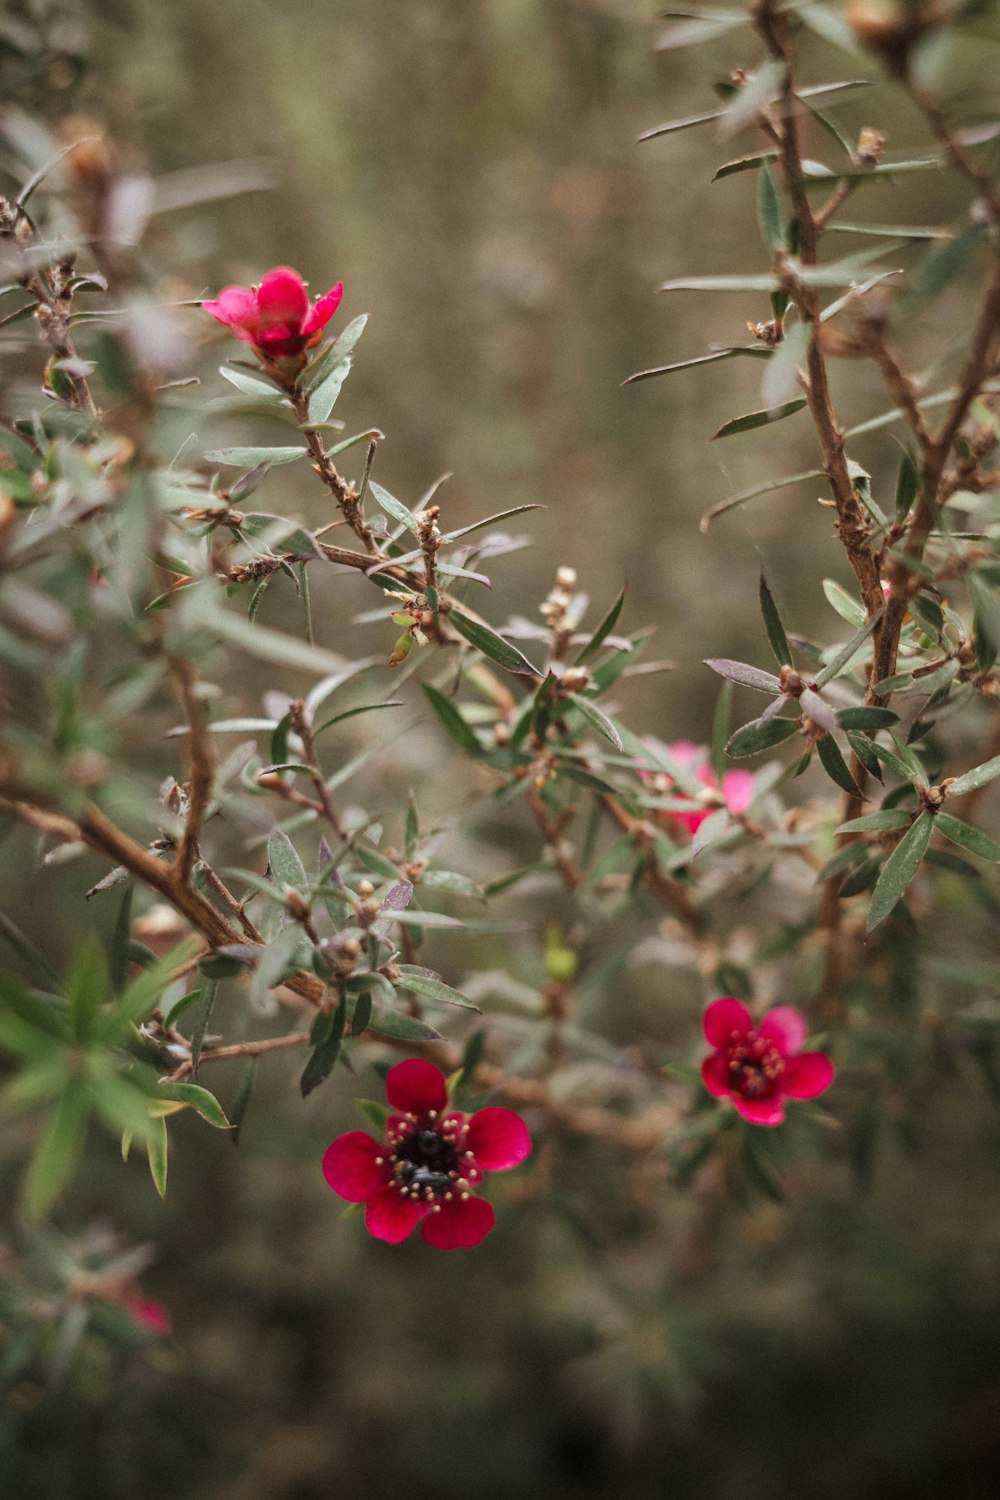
(87, 986)
(38, 968)
(249, 458)
(423, 982)
(206, 1002)
(597, 719)
(769, 216)
(758, 489)
(967, 837)
(394, 508)
(286, 866)
(759, 418)
(760, 734)
(452, 720)
(376, 1114)
(60, 1147)
(899, 869)
(835, 765)
(877, 822)
(492, 645)
(242, 1100)
(605, 628)
(866, 718)
(196, 1098)
(861, 746)
(327, 1037)
(157, 1147)
(837, 664)
(975, 778)
(775, 630)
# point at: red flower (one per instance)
(275, 317)
(431, 1162)
(151, 1316)
(737, 786)
(758, 1067)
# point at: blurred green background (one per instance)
(469, 169)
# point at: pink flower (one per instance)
(430, 1164)
(737, 786)
(275, 317)
(151, 1316)
(758, 1067)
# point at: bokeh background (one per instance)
(469, 168)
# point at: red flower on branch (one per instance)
(736, 790)
(276, 317)
(430, 1164)
(151, 1316)
(758, 1067)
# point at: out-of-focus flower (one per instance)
(759, 1066)
(277, 317)
(151, 1316)
(737, 786)
(432, 1160)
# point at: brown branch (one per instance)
(301, 725)
(201, 763)
(344, 494)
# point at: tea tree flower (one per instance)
(430, 1164)
(277, 317)
(759, 1066)
(736, 789)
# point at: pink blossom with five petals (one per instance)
(428, 1167)
(759, 1065)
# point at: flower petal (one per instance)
(723, 1017)
(235, 305)
(391, 1217)
(807, 1075)
(498, 1139)
(459, 1225)
(785, 1027)
(351, 1166)
(737, 788)
(416, 1087)
(760, 1111)
(686, 752)
(282, 297)
(320, 315)
(715, 1075)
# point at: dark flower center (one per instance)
(426, 1160)
(755, 1065)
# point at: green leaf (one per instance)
(87, 986)
(752, 494)
(780, 376)
(866, 718)
(206, 1002)
(248, 458)
(967, 837)
(975, 778)
(120, 943)
(423, 982)
(863, 750)
(907, 483)
(836, 665)
(362, 708)
(754, 419)
(404, 1028)
(362, 1013)
(375, 1113)
(341, 348)
(744, 674)
(250, 385)
(760, 734)
(59, 1150)
(772, 624)
(597, 719)
(721, 721)
(835, 765)
(877, 822)
(242, 1100)
(769, 216)
(157, 1147)
(729, 169)
(394, 508)
(492, 645)
(899, 869)
(286, 866)
(752, 351)
(987, 607)
(605, 628)
(144, 991)
(197, 1098)
(750, 99)
(452, 719)
(890, 759)
(327, 1036)
(940, 266)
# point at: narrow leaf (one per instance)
(775, 630)
(899, 869)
